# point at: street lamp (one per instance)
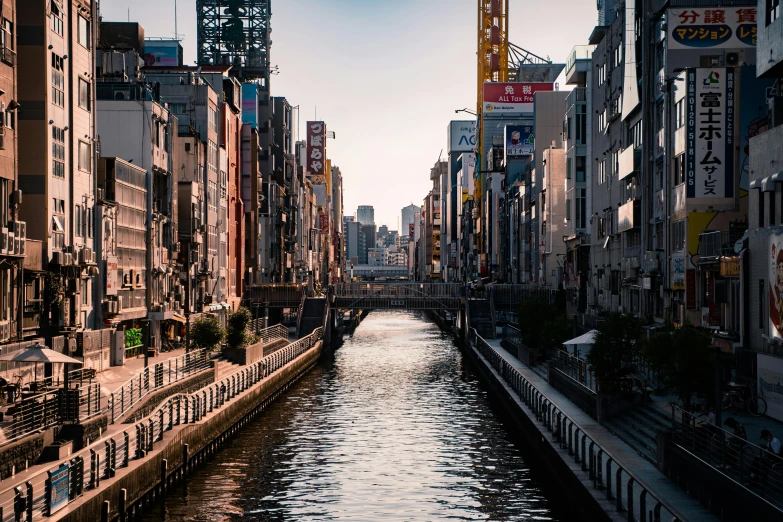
(457, 111)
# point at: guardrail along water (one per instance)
(395, 427)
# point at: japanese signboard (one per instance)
(712, 28)
(250, 104)
(411, 230)
(709, 162)
(323, 222)
(57, 493)
(678, 271)
(775, 277)
(111, 275)
(316, 150)
(730, 266)
(462, 136)
(162, 53)
(520, 140)
(511, 98)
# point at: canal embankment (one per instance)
(595, 468)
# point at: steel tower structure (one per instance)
(236, 33)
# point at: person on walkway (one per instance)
(735, 443)
(771, 458)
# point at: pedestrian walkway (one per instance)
(656, 483)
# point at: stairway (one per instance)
(481, 317)
(225, 367)
(638, 428)
(312, 316)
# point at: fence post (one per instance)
(29, 506)
(163, 473)
(122, 504)
(105, 511)
(618, 488)
(630, 500)
(126, 457)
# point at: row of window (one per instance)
(57, 25)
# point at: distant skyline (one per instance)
(385, 76)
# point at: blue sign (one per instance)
(520, 140)
(250, 104)
(57, 493)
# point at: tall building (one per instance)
(408, 218)
(365, 215)
(57, 150)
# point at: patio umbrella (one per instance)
(38, 353)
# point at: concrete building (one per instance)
(355, 243)
(370, 237)
(378, 256)
(56, 159)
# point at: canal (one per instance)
(393, 427)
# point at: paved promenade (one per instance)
(653, 480)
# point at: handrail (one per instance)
(153, 378)
(103, 457)
(572, 436)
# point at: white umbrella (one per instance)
(38, 353)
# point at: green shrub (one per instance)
(207, 332)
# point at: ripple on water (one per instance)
(393, 429)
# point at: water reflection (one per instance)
(394, 428)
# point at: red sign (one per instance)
(316, 149)
(323, 222)
(411, 231)
(505, 98)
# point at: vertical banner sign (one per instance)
(323, 222)
(316, 150)
(710, 138)
(775, 277)
(57, 494)
(111, 275)
(411, 230)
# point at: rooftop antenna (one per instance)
(176, 33)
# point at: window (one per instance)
(568, 168)
(212, 156)
(659, 176)
(581, 208)
(85, 160)
(618, 55)
(178, 108)
(89, 223)
(84, 94)
(678, 175)
(58, 223)
(8, 34)
(78, 225)
(581, 124)
(58, 152)
(58, 80)
(602, 172)
(659, 116)
(601, 74)
(85, 291)
(212, 196)
(679, 114)
(615, 107)
(616, 162)
(635, 135)
(84, 32)
(212, 119)
(568, 209)
(57, 19)
(602, 121)
(580, 168)
(773, 10)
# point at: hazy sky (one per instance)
(386, 76)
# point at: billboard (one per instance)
(709, 161)
(250, 104)
(316, 150)
(411, 231)
(462, 136)
(770, 373)
(111, 275)
(512, 98)
(323, 222)
(712, 28)
(162, 53)
(520, 140)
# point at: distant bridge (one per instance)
(394, 296)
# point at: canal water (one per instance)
(393, 427)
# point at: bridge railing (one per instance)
(622, 486)
(284, 295)
(433, 290)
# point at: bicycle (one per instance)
(742, 397)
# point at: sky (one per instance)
(385, 76)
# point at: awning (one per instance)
(768, 184)
(178, 318)
(588, 338)
(215, 308)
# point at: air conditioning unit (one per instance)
(3, 240)
(57, 258)
(18, 246)
(20, 229)
(121, 95)
(10, 244)
(67, 259)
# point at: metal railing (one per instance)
(29, 500)
(274, 333)
(153, 378)
(286, 295)
(621, 485)
(751, 466)
(512, 335)
(575, 369)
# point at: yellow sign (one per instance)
(729, 266)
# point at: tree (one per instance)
(615, 350)
(684, 359)
(207, 333)
(237, 335)
(543, 326)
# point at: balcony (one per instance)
(8, 56)
(713, 244)
(575, 96)
(630, 160)
(578, 63)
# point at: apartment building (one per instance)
(56, 45)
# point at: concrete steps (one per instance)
(225, 367)
(639, 427)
